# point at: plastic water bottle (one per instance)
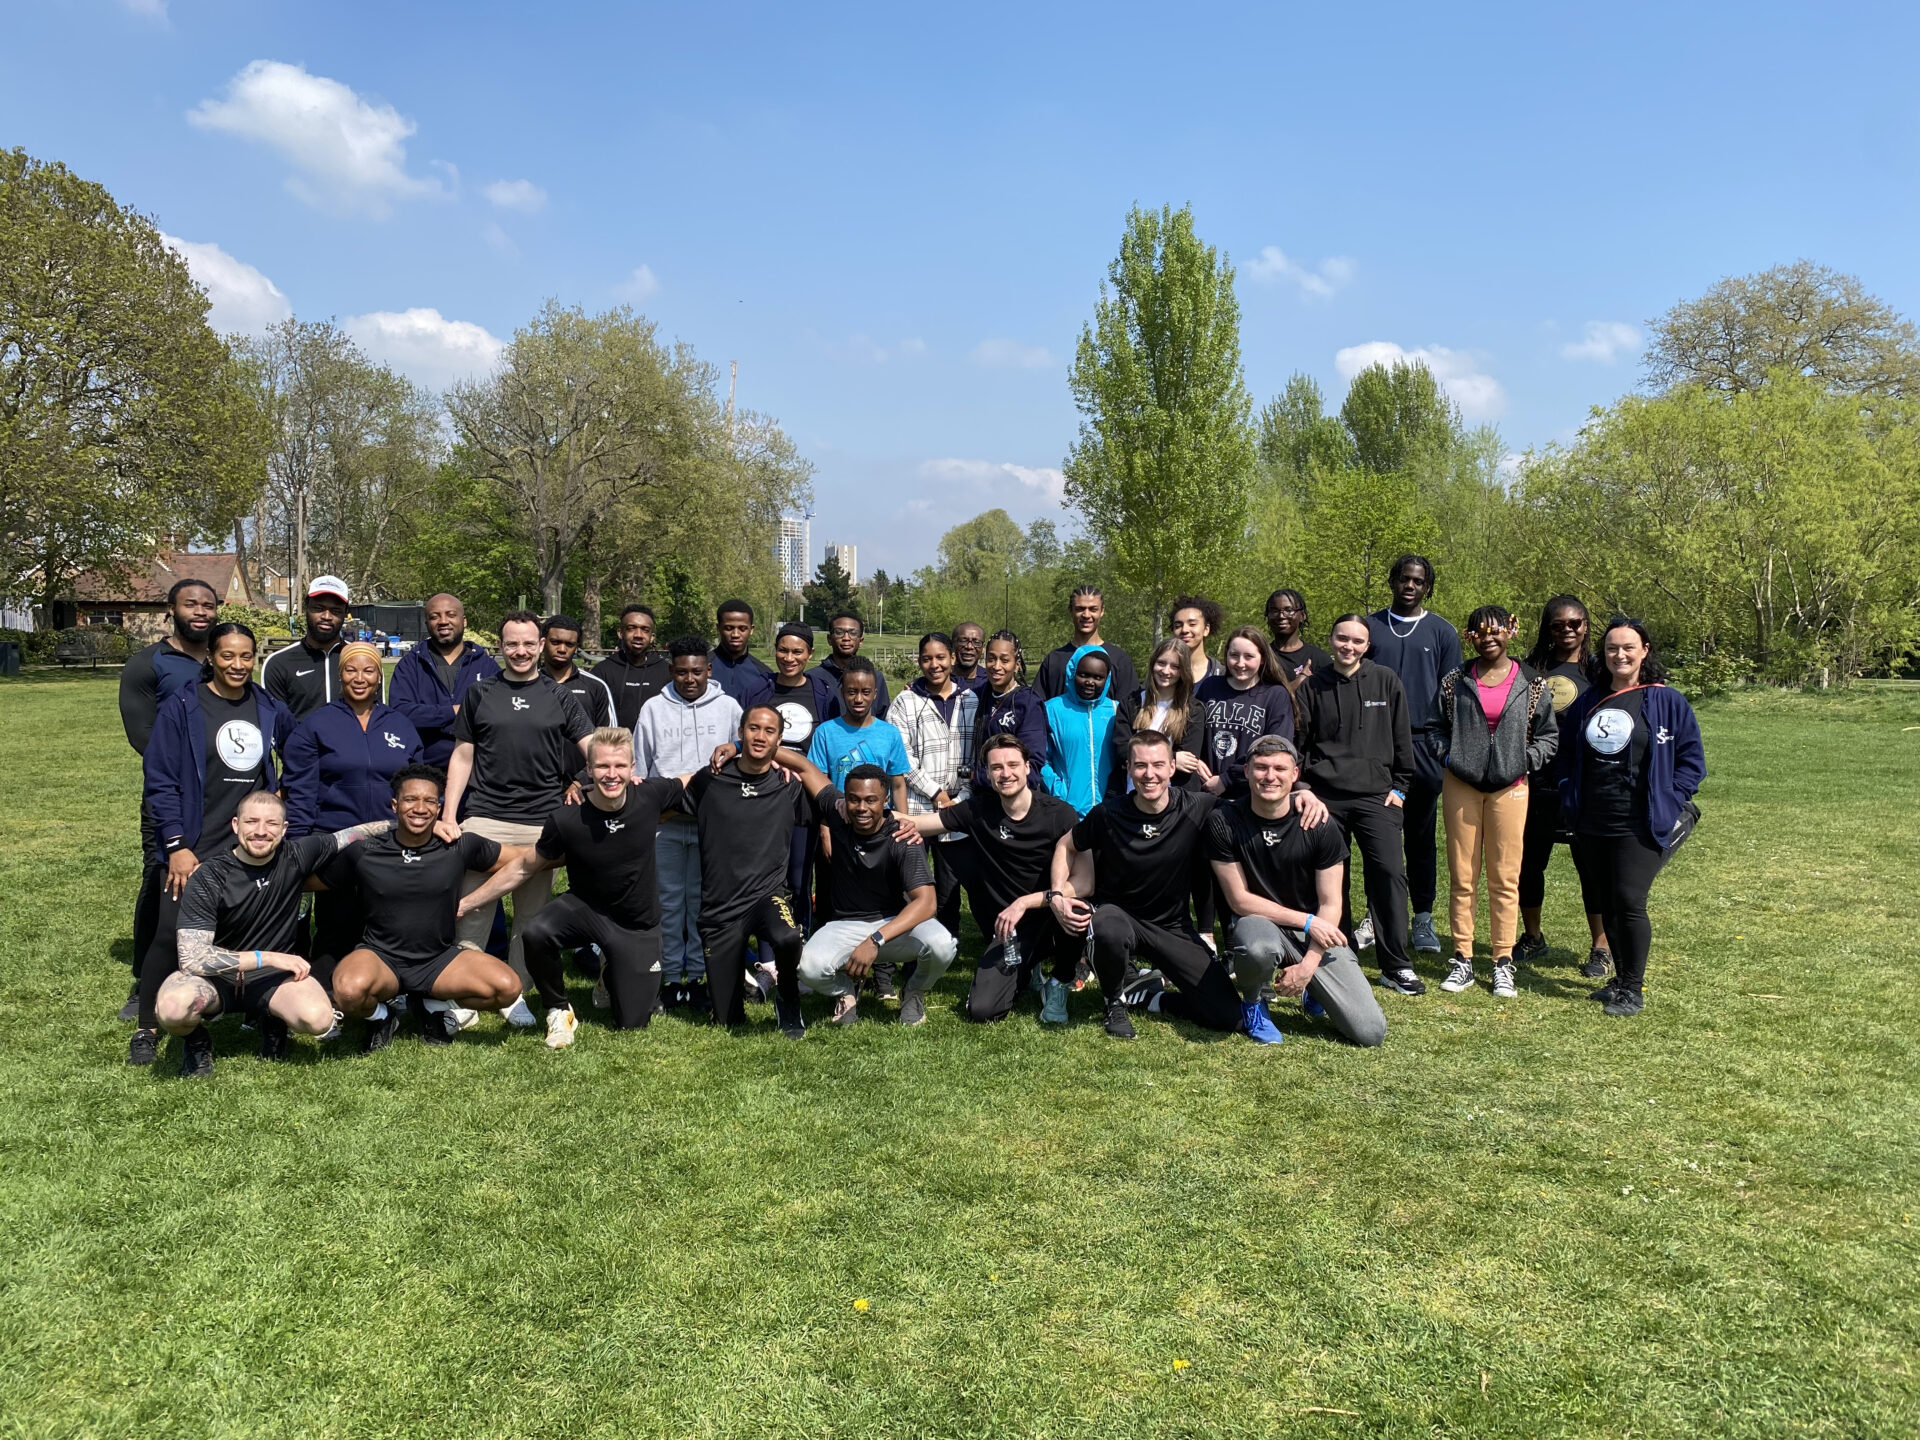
(1010, 954)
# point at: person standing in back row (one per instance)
(431, 680)
(1287, 624)
(636, 672)
(734, 670)
(1418, 647)
(844, 634)
(305, 675)
(1087, 608)
(559, 643)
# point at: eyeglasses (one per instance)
(842, 632)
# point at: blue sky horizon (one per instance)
(897, 224)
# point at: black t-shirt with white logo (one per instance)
(800, 710)
(236, 765)
(526, 750)
(609, 853)
(1613, 757)
(1144, 863)
(746, 831)
(1281, 859)
(410, 893)
(871, 874)
(1294, 661)
(253, 907)
(1012, 857)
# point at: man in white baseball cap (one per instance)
(306, 674)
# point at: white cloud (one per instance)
(1273, 265)
(424, 344)
(865, 350)
(347, 152)
(1606, 341)
(150, 9)
(986, 474)
(1011, 355)
(1478, 394)
(242, 299)
(639, 285)
(522, 195)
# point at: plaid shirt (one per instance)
(937, 733)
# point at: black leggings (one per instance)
(1420, 824)
(773, 923)
(1620, 869)
(1543, 833)
(163, 954)
(1206, 995)
(1375, 826)
(633, 957)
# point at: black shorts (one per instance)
(418, 979)
(248, 992)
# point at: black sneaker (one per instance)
(1606, 994)
(884, 988)
(145, 1048)
(196, 1055)
(1404, 982)
(1624, 1002)
(1142, 988)
(130, 1012)
(380, 1033)
(1119, 1023)
(1599, 963)
(786, 1014)
(1530, 947)
(697, 998)
(274, 1038)
(436, 1027)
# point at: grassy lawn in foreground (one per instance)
(1514, 1219)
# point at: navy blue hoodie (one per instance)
(1021, 713)
(1676, 761)
(176, 764)
(338, 774)
(416, 692)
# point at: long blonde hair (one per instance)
(1180, 702)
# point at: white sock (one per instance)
(434, 1007)
(379, 1012)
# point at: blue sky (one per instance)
(897, 222)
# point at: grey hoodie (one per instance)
(1523, 741)
(677, 737)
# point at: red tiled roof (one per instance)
(220, 571)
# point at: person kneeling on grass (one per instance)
(238, 918)
(883, 898)
(1284, 884)
(410, 882)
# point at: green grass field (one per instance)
(1514, 1219)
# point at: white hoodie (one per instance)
(675, 737)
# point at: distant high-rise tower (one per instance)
(790, 550)
(849, 558)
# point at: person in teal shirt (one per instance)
(854, 737)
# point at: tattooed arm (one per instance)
(199, 956)
(346, 837)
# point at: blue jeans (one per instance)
(677, 860)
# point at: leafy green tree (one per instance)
(1164, 462)
(681, 602)
(1297, 436)
(829, 592)
(1042, 549)
(123, 417)
(1802, 319)
(1397, 416)
(988, 546)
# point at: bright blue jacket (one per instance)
(175, 792)
(340, 775)
(416, 692)
(1676, 762)
(1079, 758)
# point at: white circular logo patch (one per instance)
(1609, 731)
(239, 745)
(799, 723)
(1223, 744)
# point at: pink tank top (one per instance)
(1493, 698)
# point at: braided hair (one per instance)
(1019, 655)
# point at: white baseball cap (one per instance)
(329, 585)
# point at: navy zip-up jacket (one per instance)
(830, 669)
(416, 692)
(1676, 761)
(1021, 713)
(338, 774)
(175, 792)
(739, 677)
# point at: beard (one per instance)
(186, 630)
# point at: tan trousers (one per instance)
(1493, 825)
(528, 897)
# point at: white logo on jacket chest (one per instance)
(1149, 832)
(1006, 833)
(520, 704)
(614, 827)
(394, 742)
(1609, 731)
(1272, 837)
(409, 857)
(748, 791)
(239, 744)
(301, 674)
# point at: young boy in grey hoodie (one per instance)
(676, 734)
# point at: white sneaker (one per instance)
(1363, 934)
(460, 1017)
(1503, 979)
(1459, 975)
(560, 1027)
(519, 1015)
(602, 997)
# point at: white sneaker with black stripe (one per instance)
(1503, 979)
(1459, 975)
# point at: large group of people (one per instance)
(735, 832)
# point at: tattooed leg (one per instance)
(185, 1003)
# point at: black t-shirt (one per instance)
(746, 831)
(410, 895)
(526, 750)
(253, 907)
(609, 853)
(870, 874)
(236, 765)
(1292, 660)
(1613, 757)
(1280, 858)
(801, 711)
(1012, 857)
(1144, 863)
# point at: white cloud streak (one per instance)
(242, 300)
(146, 9)
(1478, 394)
(1605, 341)
(347, 153)
(424, 345)
(639, 285)
(988, 474)
(1273, 266)
(521, 195)
(1011, 355)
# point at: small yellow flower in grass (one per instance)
(863, 1305)
(1182, 1365)
(993, 1279)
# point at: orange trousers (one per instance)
(1493, 826)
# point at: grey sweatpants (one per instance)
(1256, 948)
(823, 963)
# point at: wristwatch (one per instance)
(879, 938)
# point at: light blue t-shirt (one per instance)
(837, 747)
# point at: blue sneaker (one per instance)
(1312, 1006)
(1053, 1006)
(1258, 1024)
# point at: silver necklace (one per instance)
(1408, 632)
